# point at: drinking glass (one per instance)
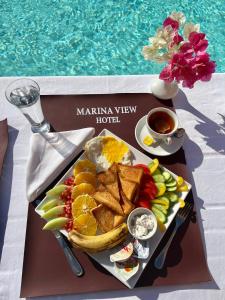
(25, 94)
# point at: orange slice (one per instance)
(81, 189)
(82, 205)
(85, 177)
(84, 165)
(85, 224)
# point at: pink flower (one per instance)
(166, 74)
(173, 23)
(187, 60)
(198, 41)
(196, 44)
(176, 39)
(188, 71)
(204, 67)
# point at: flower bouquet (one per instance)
(183, 47)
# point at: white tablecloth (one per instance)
(202, 112)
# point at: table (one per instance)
(202, 111)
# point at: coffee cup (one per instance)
(162, 123)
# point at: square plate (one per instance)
(103, 257)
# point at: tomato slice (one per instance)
(143, 203)
(148, 189)
(144, 167)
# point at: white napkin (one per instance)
(49, 154)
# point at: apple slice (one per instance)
(57, 190)
(54, 212)
(57, 223)
(52, 202)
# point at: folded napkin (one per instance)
(49, 154)
(3, 141)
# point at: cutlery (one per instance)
(72, 260)
(70, 256)
(181, 216)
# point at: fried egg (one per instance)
(105, 150)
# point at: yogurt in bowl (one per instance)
(142, 223)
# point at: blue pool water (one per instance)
(95, 37)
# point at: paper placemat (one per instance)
(45, 269)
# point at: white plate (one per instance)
(103, 257)
(161, 149)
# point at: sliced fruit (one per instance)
(54, 212)
(183, 188)
(57, 190)
(159, 215)
(180, 180)
(85, 224)
(81, 189)
(172, 196)
(161, 188)
(160, 207)
(51, 203)
(166, 175)
(148, 191)
(172, 189)
(143, 203)
(148, 140)
(84, 165)
(182, 202)
(57, 223)
(83, 204)
(158, 178)
(144, 167)
(153, 165)
(85, 177)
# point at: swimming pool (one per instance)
(95, 37)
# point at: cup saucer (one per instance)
(158, 148)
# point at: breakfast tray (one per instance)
(45, 269)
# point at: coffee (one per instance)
(161, 122)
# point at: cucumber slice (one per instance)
(172, 196)
(172, 183)
(158, 178)
(171, 179)
(172, 189)
(157, 172)
(159, 215)
(57, 190)
(162, 208)
(166, 175)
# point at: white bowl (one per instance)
(139, 212)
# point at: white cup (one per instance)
(165, 137)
